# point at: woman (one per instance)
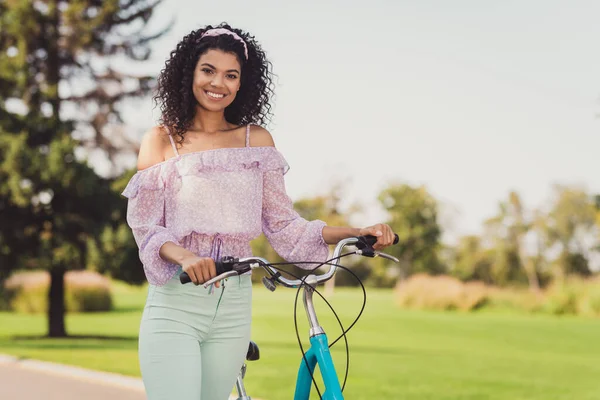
(210, 180)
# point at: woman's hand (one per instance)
(383, 233)
(200, 269)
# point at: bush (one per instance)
(516, 299)
(575, 296)
(441, 292)
(85, 291)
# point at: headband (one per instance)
(223, 31)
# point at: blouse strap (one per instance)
(248, 135)
(172, 142)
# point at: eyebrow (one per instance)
(213, 67)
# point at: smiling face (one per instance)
(216, 79)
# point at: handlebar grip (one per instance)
(221, 266)
(370, 239)
(184, 278)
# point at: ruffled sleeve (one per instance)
(146, 218)
(292, 237)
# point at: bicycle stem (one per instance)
(315, 328)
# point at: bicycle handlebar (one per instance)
(230, 266)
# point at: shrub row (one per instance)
(85, 291)
(572, 297)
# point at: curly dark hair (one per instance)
(174, 94)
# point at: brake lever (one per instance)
(237, 270)
(384, 255)
(374, 253)
(219, 277)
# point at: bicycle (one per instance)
(318, 353)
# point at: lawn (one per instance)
(394, 354)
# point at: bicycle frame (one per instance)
(317, 354)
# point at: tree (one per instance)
(570, 229)
(508, 230)
(472, 261)
(413, 216)
(114, 250)
(59, 94)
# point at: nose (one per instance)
(216, 81)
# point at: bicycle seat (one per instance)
(253, 353)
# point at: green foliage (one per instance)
(505, 233)
(506, 266)
(472, 261)
(572, 263)
(54, 205)
(562, 301)
(413, 216)
(570, 221)
(27, 292)
(574, 296)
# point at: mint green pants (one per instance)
(192, 343)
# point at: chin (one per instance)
(212, 107)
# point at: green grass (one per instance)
(394, 354)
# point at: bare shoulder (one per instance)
(260, 137)
(153, 146)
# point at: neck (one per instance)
(209, 121)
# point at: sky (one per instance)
(470, 98)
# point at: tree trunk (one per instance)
(56, 303)
(529, 266)
(530, 271)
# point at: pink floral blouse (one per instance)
(214, 203)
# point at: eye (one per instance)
(232, 76)
(207, 70)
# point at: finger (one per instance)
(389, 235)
(204, 271)
(375, 231)
(198, 273)
(386, 238)
(192, 275)
(379, 232)
(212, 271)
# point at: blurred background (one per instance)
(471, 127)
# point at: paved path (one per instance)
(27, 380)
(39, 380)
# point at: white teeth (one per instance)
(215, 95)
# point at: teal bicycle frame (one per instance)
(318, 353)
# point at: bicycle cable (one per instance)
(344, 331)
